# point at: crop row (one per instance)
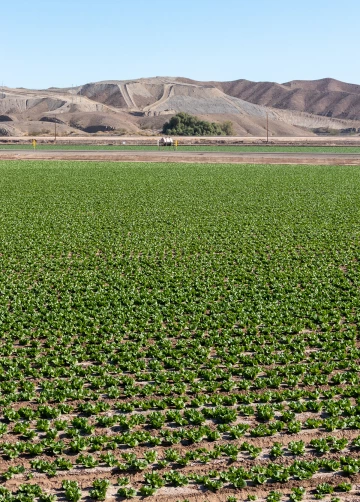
(318, 446)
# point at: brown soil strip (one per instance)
(186, 157)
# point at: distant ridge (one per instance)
(141, 106)
(327, 97)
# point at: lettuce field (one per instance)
(179, 332)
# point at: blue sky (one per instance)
(62, 42)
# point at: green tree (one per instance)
(183, 124)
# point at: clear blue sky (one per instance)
(70, 42)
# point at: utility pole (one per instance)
(267, 127)
(55, 131)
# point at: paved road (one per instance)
(193, 157)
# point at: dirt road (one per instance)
(189, 157)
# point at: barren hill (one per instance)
(326, 97)
(143, 105)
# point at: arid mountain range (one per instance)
(297, 108)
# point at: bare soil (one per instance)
(185, 157)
